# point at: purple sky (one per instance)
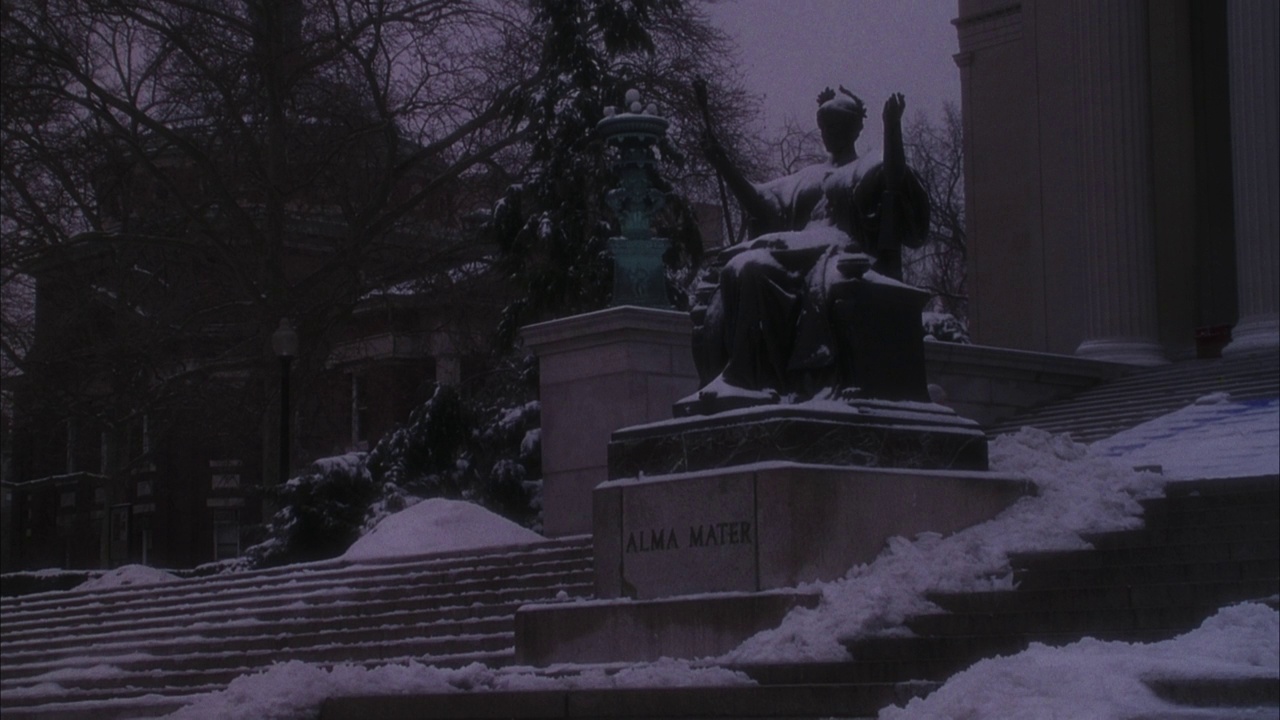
(791, 49)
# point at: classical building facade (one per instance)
(1121, 175)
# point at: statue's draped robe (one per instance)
(767, 330)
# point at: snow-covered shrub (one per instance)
(428, 456)
(944, 327)
(321, 512)
(484, 447)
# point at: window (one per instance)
(226, 481)
(66, 500)
(359, 411)
(144, 488)
(71, 445)
(226, 534)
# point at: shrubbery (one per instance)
(484, 448)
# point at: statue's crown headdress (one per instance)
(852, 104)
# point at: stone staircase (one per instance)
(1204, 545)
(142, 651)
(1120, 404)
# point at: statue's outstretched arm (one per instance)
(889, 245)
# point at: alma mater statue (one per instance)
(812, 306)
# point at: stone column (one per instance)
(1117, 223)
(1252, 29)
(599, 372)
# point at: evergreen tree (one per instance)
(552, 225)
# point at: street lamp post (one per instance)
(284, 342)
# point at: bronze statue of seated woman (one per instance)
(812, 305)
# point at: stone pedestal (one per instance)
(599, 372)
(774, 525)
(861, 433)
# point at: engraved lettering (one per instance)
(702, 535)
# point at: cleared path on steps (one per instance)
(142, 651)
(1147, 393)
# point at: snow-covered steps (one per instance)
(741, 701)
(1147, 393)
(138, 651)
(1205, 545)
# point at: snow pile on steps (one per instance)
(438, 525)
(136, 650)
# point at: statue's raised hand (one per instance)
(894, 108)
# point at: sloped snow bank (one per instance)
(438, 525)
(295, 690)
(1079, 492)
(127, 575)
(1096, 680)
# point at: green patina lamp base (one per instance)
(638, 275)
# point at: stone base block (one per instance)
(866, 433)
(774, 525)
(615, 631)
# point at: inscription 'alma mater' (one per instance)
(709, 535)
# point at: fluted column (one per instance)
(1117, 222)
(1252, 29)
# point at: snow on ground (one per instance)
(1215, 437)
(438, 525)
(1079, 492)
(1096, 680)
(127, 575)
(294, 690)
(1082, 490)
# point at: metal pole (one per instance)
(284, 418)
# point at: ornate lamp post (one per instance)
(284, 342)
(638, 276)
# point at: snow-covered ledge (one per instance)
(987, 383)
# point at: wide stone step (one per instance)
(107, 691)
(1154, 395)
(19, 659)
(313, 605)
(331, 653)
(689, 703)
(1207, 692)
(1068, 599)
(963, 650)
(1160, 574)
(429, 594)
(846, 672)
(180, 681)
(288, 621)
(264, 591)
(1261, 515)
(332, 572)
(280, 641)
(1029, 567)
(1157, 535)
(125, 709)
(1081, 622)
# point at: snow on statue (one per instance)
(790, 314)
